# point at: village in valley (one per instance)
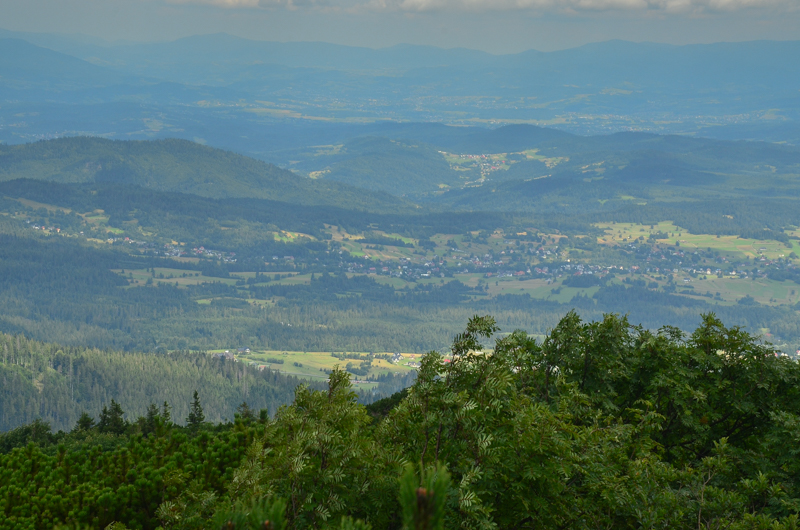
(544, 265)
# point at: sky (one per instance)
(496, 26)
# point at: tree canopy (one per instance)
(600, 425)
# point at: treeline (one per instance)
(649, 307)
(326, 287)
(61, 290)
(338, 287)
(57, 383)
(600, 425)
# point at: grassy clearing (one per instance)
(352, 244)
(496, 161)
(294, 279)
(180, 277)
(37, 205)
(291, 237)
(537, 287)
(496, 243)
(396, 283)
(764, 291)
(185, 278)
(733, 246)
(312, 365)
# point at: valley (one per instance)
(340, 237)
(285, 278)
(263, 285)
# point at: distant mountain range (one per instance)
(374, 129)
(756, 63)
(245, 95)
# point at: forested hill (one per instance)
(57, 383)
(180, 166)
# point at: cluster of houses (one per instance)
(228, 355)
(484, 162)
(226, 257)
(48, 228)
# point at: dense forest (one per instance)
(56, 383)
(600, 425)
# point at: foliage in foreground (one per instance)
(601, 425)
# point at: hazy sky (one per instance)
(498, 26)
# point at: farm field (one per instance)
(490, 162)
(184, 278)
(179, 277)
(315, 365)
(728, 289)
(763, 291)
(734, 246)
(450, 246)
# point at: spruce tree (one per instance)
(166, 415)
(196, 416)
(85, 422)
(111, 420)
(245, 413)
(152, 419)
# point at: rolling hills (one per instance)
(529, 168)
(741, 90)
(388, 165)
(180, 166)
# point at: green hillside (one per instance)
(57, 383)
(394, 166)
(179, 166)
(524, 168)
(605, 174)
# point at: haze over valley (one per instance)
(330, 285)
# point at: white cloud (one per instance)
(233, 4)
(292, 4)
(668, 6)
(557, 6)
(219, 3)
